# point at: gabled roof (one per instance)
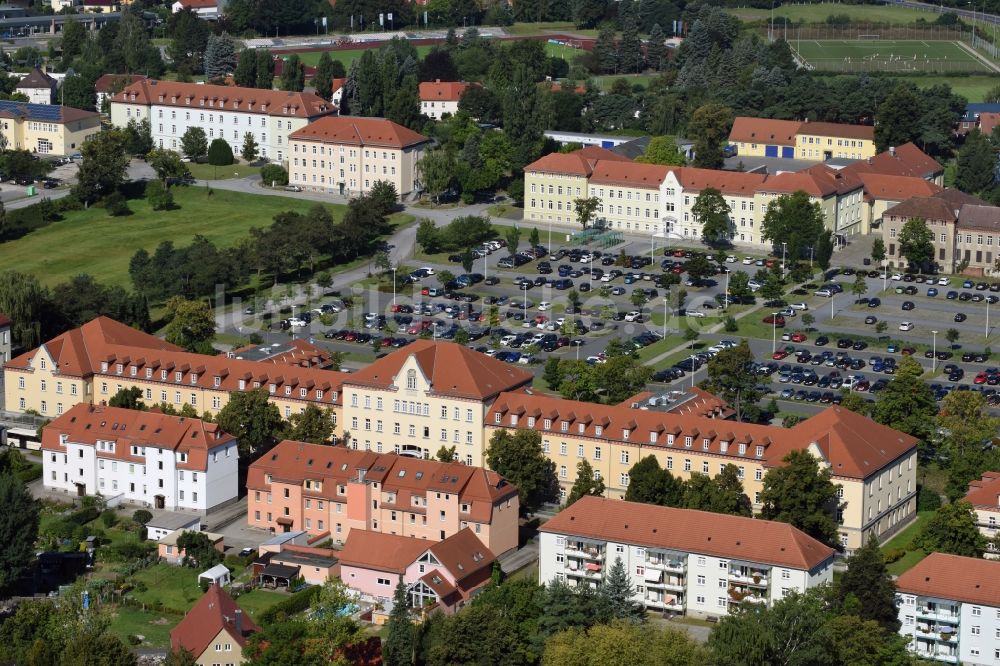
(929, 208)
(214, 612)
(984, 493)
(690, 531)
(357, 131)
(736, 183)
(764, 130)
(840, 130)
(965, 579)
(207, 97)
(49, 113)
(85, 423)
(905, 160)
(982, 218)
(442, 91)
(382, 552)
(198, 4)
(36, 79)
(452, 370)
(884, 187)
(629, 174)
(463, 555)
(577, 163)
(988, 122)
(106, 81)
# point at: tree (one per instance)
(869, 582)
(142, 516)
(194, 143)
(220, 56)
(191, 325)
(104, 165)
(773, 288)
(663, 150)
(167, 165)
(907, 403)
(730, 378)
(622, 643)
(519, 458)
(739, 287)
(312, 424)
(586, 209)
(446, 454)
(650, 484)
(708, 128)
(512, 235)
(808, 320)
(159, 197)
(606, 51)
(273, 175)
(265, 70)
(293, 74)
(722, 494)
(251, 150)
(323, 77)
(219, 153)
(952, 335)
(916, 242)
(878, 251)
(618, 592)
(428, 237)
(711, 209)
(952, 529)
(860, 286)
(190, 36)
(252, 418)
(18, 531)
(586, 483)
(128, 398)
(180, 657)
(552, 374)
(800, 493)
(437, 171)
(897, 119)
(383, 195)
(656, 52)
(794, 220)
(245, 75)
(138, 137)
(535, 238)
(77, 92)
(199, 551)
(398, 648)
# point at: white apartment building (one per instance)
(226, 112)
(145, 458)
(984, 496)
(440, 98)
(949, 607)
(680, 560)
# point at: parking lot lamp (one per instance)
(394, 286)
(987, 318)
(652, 245)
(934, 352)
(725, 302)
(784, 246)
(774, 332)
(664, 317)
(885, 273)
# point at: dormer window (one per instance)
(319, 394)
(498, 417)
(704, 443)
(581, 428)
(194, 377)
(149, 373)
(723, 446)
(104, 366)
(760, 451)
(743, 449)
(687, 442)
(178, 376)
(217, 381)
(303, 393)
(625, 433)
(598, 430)
(548, 424)
(119, 368)
(271, 388)
(513, 419)
(670, 440)
(243, 384)
(652, 437)
(288, 390)
(163, 375)
(133, 371)
(531, 421)
(564, 426)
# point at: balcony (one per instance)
(749, 576)
(742, 594)
(940, 613)
(666, 602)
(590, 551)
(673, 565)
(588, 571)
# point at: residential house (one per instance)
(333, 490)
(215, 631)
(949, 608)
(803, 140)
(444, 575)
(205, 9)
(168, 522)
(984, 496)
(38, 86)
(764, 137)
(349, 154)
(226, 112)
(440, 98)
(109, 84)
(101, 6)
(314, 565)
(973, 113)
(147, 458)
(875, 466)
(168, 550)
(46, 129)
(681, 561)
(425, 396)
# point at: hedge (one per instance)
(296, 603)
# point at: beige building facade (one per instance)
(47, 129)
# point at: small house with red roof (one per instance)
(205, 9)
(438, 98)
(984, 496)
(215, 631)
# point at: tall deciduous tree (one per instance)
(265, 70)
(128, 398)
(897, 118)
(623, 643)
(191, 325)
(730, 378)
(650, 484)
(585, 483)
(293, 74)
(977, 161)
(708, 128)
(322, 79)
(252, 418)
(18, 530)
(512, 235)
(663, 150)
(878, 250)
(916, 242)
(712, 211)
(312, 424)
(907, 403)
(722, 494)
(519, 458)
(586, 209)
(800, 492)
(245, 75)
(953, 529)
(794, 220)
(194, 143)
(867, 580)
(167, 164)
(437, 171)
(104, 165)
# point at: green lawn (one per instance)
(209, 172)
(257, 601)
(175, 587)
(892, 55)
(605, 82)
(563, 27)
(89, 241)
(153, 627)
(817, 13)
(973, 88)
(347, 56)
(567, 53)
(904, 540)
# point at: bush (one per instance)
(730, 325)
(219, 153)
(296, 603)
(159, 197)
(927, 500)
(142, 516)
(109, 517)
(273, 174)
(84, 515)
(116, 205)
(893, 555)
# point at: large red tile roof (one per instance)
(943, 576)
(577, 163)
(629, 174)
(736, 183)
(905, 160)
(896, 188)
(214, 612)
(929, 208)
(207, 97)
(106, 81)
(984, 493)
(451, 369)
(463, 555)
(85, 423)
(690, 531)
(764, 130)
(356, 131)
(442, 91)
(382, 552)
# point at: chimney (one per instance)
(238, 622)
(892, 150)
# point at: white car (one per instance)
(731, 259)
(943, 282)
(754, 285)
(906, 326)
(560, 321)
(608, 277)
(426, 270)
(544, 305)
(825, 293)
(507, 340)
(727, 344)
(295, 321)
(798, 306)
(693, 313)
(896, 277)
(632, 316)
(788, 312)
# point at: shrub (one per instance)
(109, 517)
(116, 205)
(296, 603)
(142, 516)
(927, 500)
(219, 153)
(730, 325)
(893, 555)
(84, 515)
(159, 197)
(273, 174)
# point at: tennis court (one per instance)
(887, 55)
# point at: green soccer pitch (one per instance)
(893, 55)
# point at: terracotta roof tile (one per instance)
(984, 493)
(728, 182)
(983, 218)
(105, 82)
(578, 163)
(929, 208)
(905, 160)
(965, 579)
(690, 531)
(36, 79)
(442, 91)
(764, 130)
(356, 131)
(214, 612)
(896, 188)
(382, 552)
(463, 555)
(629, 174)
(207, 97)
(452, 370)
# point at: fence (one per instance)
(894, 66)
(862, 31)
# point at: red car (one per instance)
(425, 291)
(678, 253)
(907, 351)
(980, 378)
(678, 269)
(769, 263)
(798, 337)
(778, 320)
(779, 355)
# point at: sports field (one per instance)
(887, 55)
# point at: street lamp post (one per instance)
(774, 332)
(394, 286)
(784, 246)
(725, 302)
(987, 318)
(664, 317)
(885, 274)
(550, 236)
(652, 245)
(811, 256)
(934, 352)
